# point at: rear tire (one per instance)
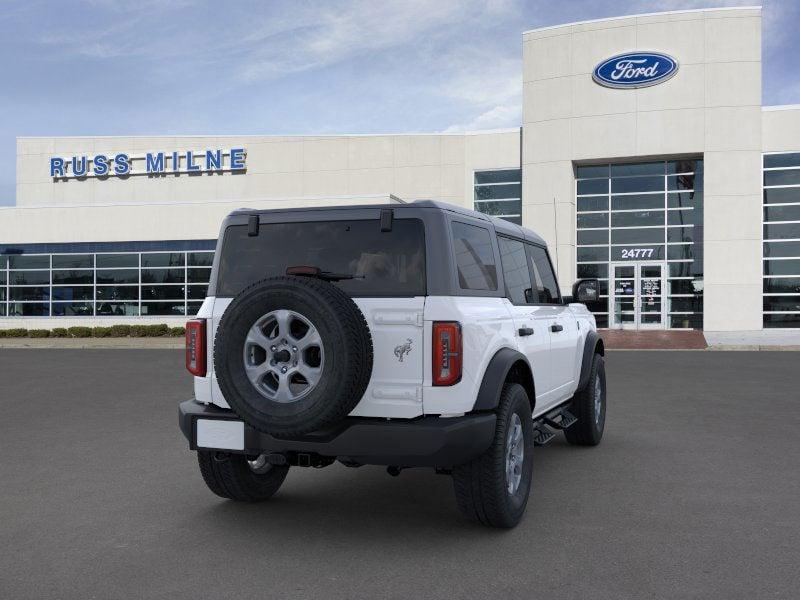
(485, 490)
(589, 406)
(232, 476)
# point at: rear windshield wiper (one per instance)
(308, 271)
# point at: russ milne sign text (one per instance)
(151, 163)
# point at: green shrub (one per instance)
(80, 332)
(156, 330)
(160, 330)
(16, 332)
(138, 331)
(120, 330)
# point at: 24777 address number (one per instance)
(637, 252)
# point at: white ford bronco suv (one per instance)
(405, 335)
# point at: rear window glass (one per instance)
(390, 263)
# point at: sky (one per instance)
(161, 67)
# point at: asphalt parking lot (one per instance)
(694, 493)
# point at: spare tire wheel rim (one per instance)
(283, 356)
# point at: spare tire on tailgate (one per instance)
(292, 355)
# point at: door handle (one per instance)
(555, 327)
(523, 331)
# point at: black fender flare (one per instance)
(593, 345)
(497, 373)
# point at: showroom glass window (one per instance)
(499, 193)
(781, 302)
(646, 212)
(115, 284)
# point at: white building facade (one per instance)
(645, 159)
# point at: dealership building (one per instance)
(645, 158)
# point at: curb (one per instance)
(755, 347)
(716, 348)
(94, 343)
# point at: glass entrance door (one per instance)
(636, 292)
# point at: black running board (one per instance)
(559, 419)
(542, 435)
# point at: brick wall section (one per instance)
(615, 339)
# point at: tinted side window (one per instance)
(544, 279)
(515, 270)
(474, 257)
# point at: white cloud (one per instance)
(779, 23)
(786, 94)
(108, 29)
(327, 36)
(489, 89)
(460, 60)
(497, 117)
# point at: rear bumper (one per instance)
(423, 442)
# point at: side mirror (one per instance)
(586, 290)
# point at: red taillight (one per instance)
(196, 347)
(447, 357)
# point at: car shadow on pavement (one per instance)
(364, 502)
(349, 501)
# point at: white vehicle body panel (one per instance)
(486, 327)
(536, 347)
(395, 388)
(585, 323)
(563, 352)
(404, 327)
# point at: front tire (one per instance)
(589, 406)
(493, 489)
(235, 477)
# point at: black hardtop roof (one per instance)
(500, 225)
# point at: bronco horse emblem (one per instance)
(403, 349)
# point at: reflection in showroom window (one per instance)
(781, 246)
(639, 212)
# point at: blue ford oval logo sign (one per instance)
(635, 70)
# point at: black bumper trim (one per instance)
(422, 442)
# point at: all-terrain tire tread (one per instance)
(231, 478)
(473, 482)
(360, 357)
(206, 462)
(582, 406)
